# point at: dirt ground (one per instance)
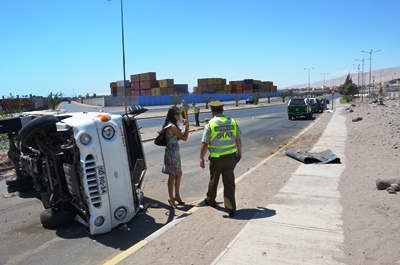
(371, 216)
(5, 165)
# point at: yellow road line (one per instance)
(126, 253)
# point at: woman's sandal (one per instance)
(172, 204)
(179, 200)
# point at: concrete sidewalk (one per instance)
(307, 226)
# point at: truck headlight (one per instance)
(99, 221)
(85, 139)
(108, 132)
(120, 213)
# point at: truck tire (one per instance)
(50, 219)
(47, 122)
(20, 188)
(18, 181)
(21, 184)
(8, 125)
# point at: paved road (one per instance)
(29, 243)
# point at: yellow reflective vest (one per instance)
(223, 136)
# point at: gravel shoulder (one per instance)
(371, 215)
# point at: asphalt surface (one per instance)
(299, 224)
(288, 213)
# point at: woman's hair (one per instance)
(171, 116)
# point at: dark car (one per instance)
(250, 100)
(298, 107)
(315, 105)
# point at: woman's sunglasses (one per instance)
(177, 113)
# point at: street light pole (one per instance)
(308, 75)
(358, 74)
(370, 62)
(123, 53)
(323, 86)
(333, 81)
(362, 78)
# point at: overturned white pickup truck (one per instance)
(87, 166)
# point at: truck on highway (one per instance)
(298, 107)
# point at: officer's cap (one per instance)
(216, 105)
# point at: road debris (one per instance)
(324, 157)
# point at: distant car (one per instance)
(315, 105)
(323, 103)
(250, 100)
(298, 107)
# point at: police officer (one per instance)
(221, 137)
(196, 111)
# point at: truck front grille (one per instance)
(91, 179)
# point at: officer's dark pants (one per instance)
(196, 117)
(223, 165)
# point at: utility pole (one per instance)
(362, 78)
(358, 74)
(309, 76)
(370, 59)
(323, 86)
(123, 53)
(333, 81)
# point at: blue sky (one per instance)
(74, 46)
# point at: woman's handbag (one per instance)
(160, 139)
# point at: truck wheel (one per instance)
(21, 184)
(27, 133)
(18, 181)
(290, 117)
(50, 219)
(8, 125)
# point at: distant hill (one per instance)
(381, 75)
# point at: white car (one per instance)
(87, 166)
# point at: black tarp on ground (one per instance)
(324, 157)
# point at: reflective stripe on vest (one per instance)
(223, 136)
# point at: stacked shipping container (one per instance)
(118, 88)
(212, 86)
(181, 89)
(141, 84)
(146, 84)
(165, 87)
